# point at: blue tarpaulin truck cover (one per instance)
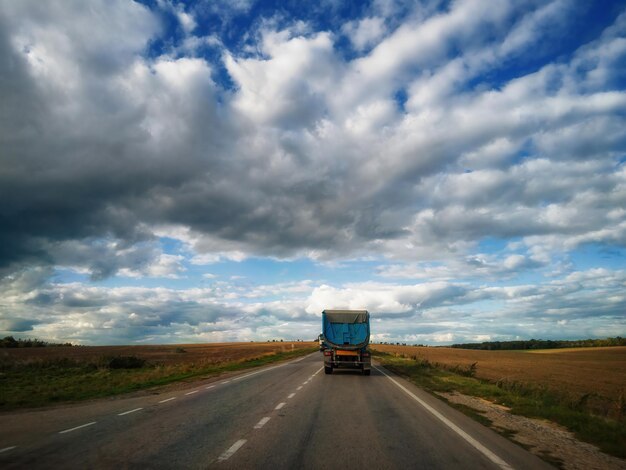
(346, 329)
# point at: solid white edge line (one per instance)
(77, 427)
(210, 386)
(291, 395)
(280, 405)
(129, 412)
(469, 439)
(224, 382)
(261, 423)
(6, 449)
(167, 399)
(192, 392)
(232, 449)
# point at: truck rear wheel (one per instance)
(328, 370)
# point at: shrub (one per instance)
(126, 362)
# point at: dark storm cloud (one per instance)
(88, 164)
(75, 161)
(17, 325)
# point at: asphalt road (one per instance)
(289, 416)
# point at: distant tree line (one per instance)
(543, 344)
(11, 342)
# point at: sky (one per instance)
(224, 170)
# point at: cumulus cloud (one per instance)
(452, 126)
(366, 32)
(186, 19)
(584, 302)
(164, 151)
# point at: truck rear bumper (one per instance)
(352, 364)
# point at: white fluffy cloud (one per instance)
(366, 32)
(438, 129)
(589, 303)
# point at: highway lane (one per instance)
(290, 416)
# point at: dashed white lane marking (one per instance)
(470, 440)
(299, 388)
(77, 427)
(280, 405)
(234, 448)
(129, 412)
(244, 376)
(237, 445)
(291, 395)
(265, 370)
(261, 423)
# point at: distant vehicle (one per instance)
(345, 337)
(320, 338)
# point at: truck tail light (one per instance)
(328, 353)
(365, 354)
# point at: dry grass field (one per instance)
(161, 355)
(590, 374)
(32, 377)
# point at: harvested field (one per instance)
(579, 389)
(593, 376)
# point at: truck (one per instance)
(345, 337)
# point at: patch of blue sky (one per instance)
(582, 24)
(171, 31)
(401, 97)
(237, 28)
(265, 271)
(521, 278)
(67, 276)
(173, 34)
(149, 282)
(234, 24)
(526, 151)
(485, 309)
(491, 245)
(595, 255)
(171, 246)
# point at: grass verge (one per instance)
(66, 380)
(534, 402)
